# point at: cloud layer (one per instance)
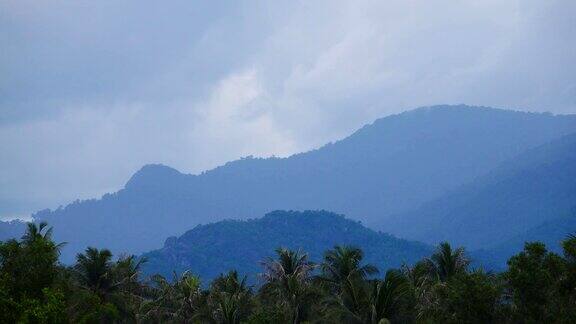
(92, 90)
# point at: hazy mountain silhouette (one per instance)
(535, 187)
(12, 229)
(551, 232)
(388, 167)
(208, 250)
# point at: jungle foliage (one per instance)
(537, 287)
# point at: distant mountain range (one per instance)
(390, 167)
(551, 233)
(537, 186)
(242, 245)
(11, 229)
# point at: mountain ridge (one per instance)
(535, 187)
(550, 232)
(384, 168)
(210, 249)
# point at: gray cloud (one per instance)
(92, 90)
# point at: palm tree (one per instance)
(29, 265)
(130, 290)
(230, 283)
(569, 248)
(161, 305)
(289, 277)
(126, 272)
(445, 262)
(343, 263)
(418, 275)
(230, 299)
(387, 296)
(189, 296)
(432, 274)
(182, 301)
(568, 280)
(42, 234)
(373, 302)
(345, 276)
(94, 271)
(421, 281)
(99, 297)
(34, 232)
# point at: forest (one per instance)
(538, 286)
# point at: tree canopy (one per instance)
(538, 286)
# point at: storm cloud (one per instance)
(92, 90)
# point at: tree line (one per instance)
(538, 286)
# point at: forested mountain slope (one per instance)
(208, 250)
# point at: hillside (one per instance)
(551, 232)
(386, 168)
(533, 188)
(208, 250)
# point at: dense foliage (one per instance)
(213, 248)
(538, 287)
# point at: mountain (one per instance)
(535, 187)
(208, 250)
(388, 167)
(12, 229)
(551, 233)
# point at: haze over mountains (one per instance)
(551, 233)
(388, 168)
(537, 186)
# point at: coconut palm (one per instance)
(418, 275)
(230, 299)
(29, 265)
(227, 308)
(130, 291)
(126, 272)
(421, 280)
(431, 275)
(446, 262)
(344, 262)
(569, 248)
(94, 271)
(96, 300)
(230, 283)
(182, 301)
(189, 296)
(344, 275)
(34, 232)
(161, 305)
(386, 297)
(568, 280)
(39, 237)
(373, 302)
(289, 277)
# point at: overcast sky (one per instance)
(92, 90)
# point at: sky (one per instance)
(90, 91)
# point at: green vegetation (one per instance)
(242, 245)
(538, 287)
